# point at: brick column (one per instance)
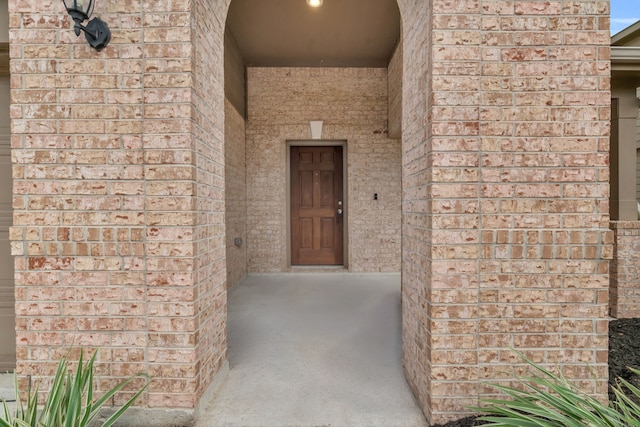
(506, 240)
(625, 270)
(79, 224)
(118, 194)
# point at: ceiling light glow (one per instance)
(314, 3)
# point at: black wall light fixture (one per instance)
(96, 30)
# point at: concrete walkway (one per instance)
(314, 349)
(7, 391)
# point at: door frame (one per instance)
(345, 196)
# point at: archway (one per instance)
(271, 126)
(339, 81)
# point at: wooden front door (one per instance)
(317, 206)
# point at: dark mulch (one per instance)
(624, 351)
(463, 422)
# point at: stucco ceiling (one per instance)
(340, 33)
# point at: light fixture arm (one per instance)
(96, 31)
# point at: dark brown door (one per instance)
(317, 206)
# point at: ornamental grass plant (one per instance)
(545, 399)
(70, 402)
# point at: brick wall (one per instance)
(235, 194)
(118, 194)
(416, 220)
(625, 270)
(353, 105)
(506, 239)
(394, 85)
(235, 165)
(210, 335)
(79, 226)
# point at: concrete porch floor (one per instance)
(314, 349)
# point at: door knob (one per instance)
(339, 211)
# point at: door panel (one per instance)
(306, 184)
(7, 298)
(328, 199)
(306, 233)
(326, 233)
(316, 194)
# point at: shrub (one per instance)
(70, 401)
(548, 400)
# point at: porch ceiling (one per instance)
(340, 33)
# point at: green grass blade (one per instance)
(105, 397)
(30, 416)
(69, 402)
(75, 390)
(622, 383)
(6, 415)
(506, 420)
(550, 400)
(624, 404)
(51, 411)
(88, 405)
(5, 410)
(114, 417)
(565, 413)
